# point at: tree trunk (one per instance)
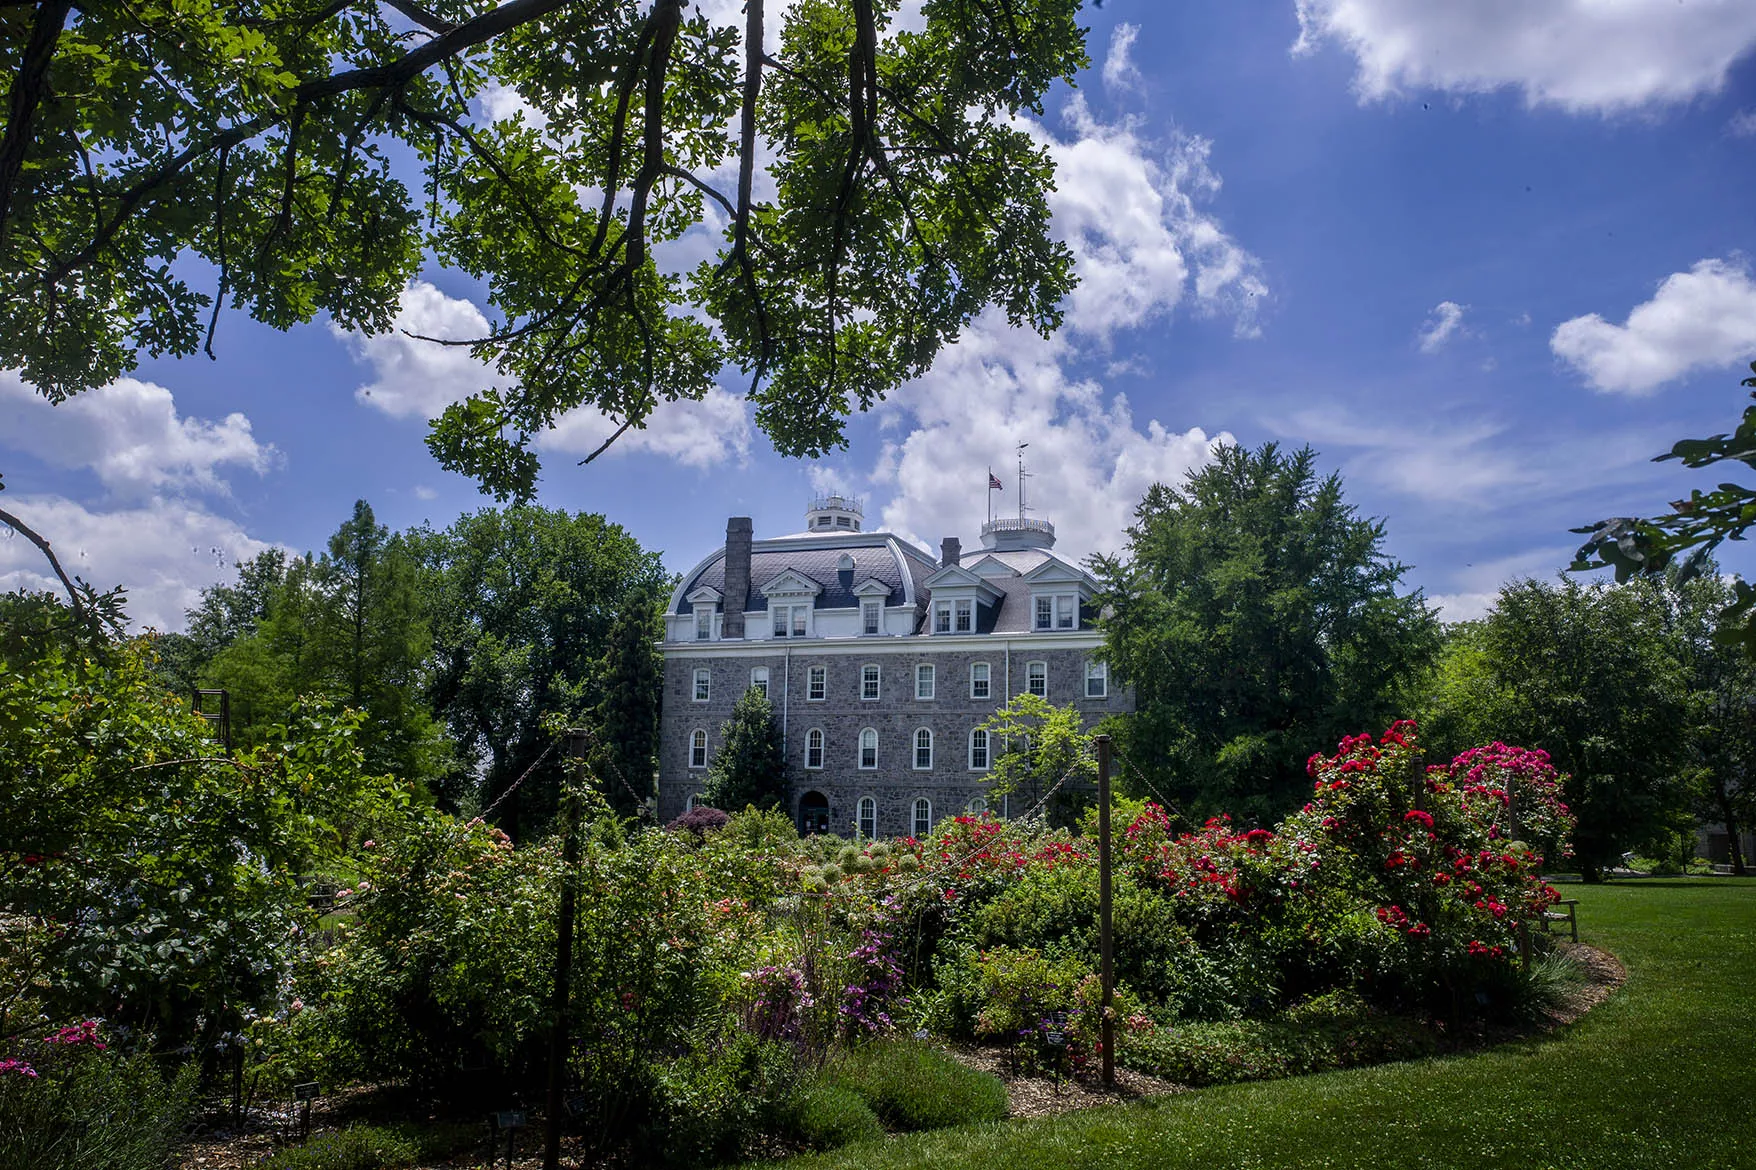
(1723, 798)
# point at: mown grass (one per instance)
(1662, 1075)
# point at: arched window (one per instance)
(923, 749)
(814, 748)
(868, 749)
(978, 749)
(978, 806)
(698, 749)
(689, 802)
(923, 817)
(868, 817)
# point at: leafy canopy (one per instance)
(864, 190)
(1254, 615)
(1685, 539)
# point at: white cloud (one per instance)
(1445, 322)
(164, 551)
(1120, 72)
(998, 387)
(1701, 319)
(1743, 124)
(1476, 587)
(419, 379)
(130, 434)
(1128, 208)
(1580, 55)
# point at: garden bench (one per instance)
(1566, 910)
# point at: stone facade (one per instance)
(828, 785)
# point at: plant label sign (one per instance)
(305, 1092)
(509, 1119)
(1058, 1039)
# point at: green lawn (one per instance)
(1662, 1075)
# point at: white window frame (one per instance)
(986, 679)
(1043, 612)
(814, 749)
(703, 685)
(1099, 673)
(875, 684)
(941, 617)
(925, 683)
(963, 615)
(920, 732)
(977, 806)
(703, 623)
(867, 812)
(1033, 671)
(868, 734)
(871, 617)
(1066, 611)
(921, 819)
(759, 679)
(790, 619)
(816, 684)
(698, 748)
(980, 741)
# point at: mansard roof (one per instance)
(877, 556)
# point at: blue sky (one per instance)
(1487, 257)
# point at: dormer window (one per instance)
(954, 617)
(1057, 611)
(790, 621)
(703, 624)
(871, 617)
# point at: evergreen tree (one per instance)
(627, 715)
(1258, 620)
(748, 768)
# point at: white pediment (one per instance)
(952, 576)
(791, 583)
(704, 595)
(1057, 572)
(872, 587)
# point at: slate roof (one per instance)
(874, 560)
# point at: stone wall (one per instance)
(895, 783)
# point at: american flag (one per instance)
(994, 483)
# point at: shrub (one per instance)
(700, 821)
(715, 1103)
(913, 1086)
(359, 1147)
(1334, 1031)
(70, 1103)
(827, 1116)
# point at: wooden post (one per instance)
(563, 974)
(1106, 959)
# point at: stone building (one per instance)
(880, 661)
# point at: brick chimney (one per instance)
(950, 549)
(738, 536)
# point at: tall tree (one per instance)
(1719, 678)
(1591, 676)
(1257, 618)
(312, 153)
(374, 642)
(524, 601)
(747, 770)
(224, 614)
(626, 718)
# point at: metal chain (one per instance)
(501, 799)
(1165, 800)
(640, 802)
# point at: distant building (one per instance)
(880, 662)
